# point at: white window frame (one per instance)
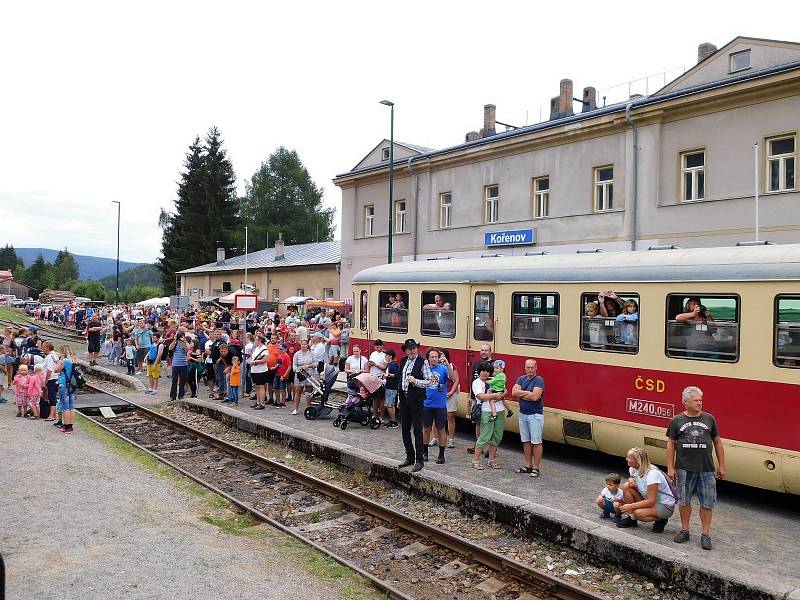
(695, 175)
(541, 198)
(491, 213)
(445, 210)
(734, 55)
(400, 216)
(781, 159)
(276, 295)
(385, 153)
(605, 186)
(326, 295)
(301, 292)
(369, 220)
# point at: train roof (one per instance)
(741, 263)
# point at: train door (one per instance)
(482, 326)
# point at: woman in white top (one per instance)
(355, 365)
(303, 362)
(647, 494)
(258, 371)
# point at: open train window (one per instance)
(786, 352)
(703, 327)
(483, 329)
(610, 321)
(439, 314)
(393, 311)
(364, 305)
(534, 318)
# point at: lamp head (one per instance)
(387, 103)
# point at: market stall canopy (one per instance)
(231, 298)
(208, 299)
(334, 304)
(296, 299)
(154, 302)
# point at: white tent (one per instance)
(296, 299)
(154, 302)
(231, 298)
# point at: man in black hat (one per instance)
(416, 376)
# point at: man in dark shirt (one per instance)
(691, 436)
(529, 392)
(94, 328)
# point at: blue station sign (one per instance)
(515, 237)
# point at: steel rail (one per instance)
(563, 590)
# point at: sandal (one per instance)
(495, 465)
(524, 470)
(534, 472)
(476, 464)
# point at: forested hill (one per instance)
(90, 267)
(143, 275)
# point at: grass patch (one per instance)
(12, 314)
(235, 525)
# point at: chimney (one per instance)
(472, 136)
(489, 111)
(705, 50)
(561, 105)
(220, 256)
(589, 99)
(279, 247)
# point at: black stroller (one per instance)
(358, 406)
(322, 391)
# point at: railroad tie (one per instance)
(452, 569)
(320, 508)
(331, 523)
(413, 550)
(492, 585)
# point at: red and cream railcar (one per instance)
(612, 384)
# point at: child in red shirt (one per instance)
(282, 371)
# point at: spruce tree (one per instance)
(219, 185)
(8, 258)
(65, 269)
(282, 198)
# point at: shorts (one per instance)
(66, 401)
(94, 345)
(390, 398)
(491, 431)
(530, 428)
(452, 403)
(270, 376)
(704, 485)
(154, 370)
(279, 384)
(258, 378)
(33, 401)
(140, 354)
(52, 392)
(663, 511)
(334, 351)
(434, 415)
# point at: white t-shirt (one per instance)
(606, 493)
(50, 364)
(302, 332)
(481, 387)
(377, 358)
(654, 475)
(319, 353)
(259, 353)
(248, 349)
(356, 364)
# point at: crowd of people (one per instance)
(272, 360)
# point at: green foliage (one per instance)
(65, 268)
(137, 293)
(8, 258)
(143, 275)
(205, 210)
(282, 198)
(91, 288)
(39, 275)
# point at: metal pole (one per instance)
(755, 161)
(391, 182)
(245, 259)
(119, 205)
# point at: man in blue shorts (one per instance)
(529, 392)
(690, 463)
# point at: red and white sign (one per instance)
(245, 302)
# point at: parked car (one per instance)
(17, 303)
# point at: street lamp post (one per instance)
(119, 207)
(391, 175)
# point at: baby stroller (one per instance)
(322, 390)
(358, 406)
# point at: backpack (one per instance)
(152, 353)
(673, 489)
(76, 379)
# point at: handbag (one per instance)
(476, 412)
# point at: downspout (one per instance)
(634, 203)
(416, 209)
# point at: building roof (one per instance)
(620, 107)
(299, 255)
(774, 262)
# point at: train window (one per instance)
(703, 327)
(393, 311)
(786, 352)
(363, 311)
(484, 317)
(439, 314)
(534, 318)
(610, 322)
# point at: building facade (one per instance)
(678, 167)
(274, 273)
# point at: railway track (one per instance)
(401, 555)
(47, 330)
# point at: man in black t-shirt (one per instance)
(690, 463)
(94, 328)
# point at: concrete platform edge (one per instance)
(638, 555)
(111, 375)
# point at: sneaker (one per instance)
(705, 541)
(627, 522)
(137, 373)
(294, 412)
(658, 526)
(433, 443)
(440, 460)
(681, 537)
(65, 430)
(253, 405)
(392, 424)
(605, 515)
(148, 390)
(451, 443)
(58, 424)
(471, 450)
(259, 407)
(3, 401)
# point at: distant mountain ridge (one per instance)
(90, 267)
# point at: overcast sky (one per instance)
(100, 100)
